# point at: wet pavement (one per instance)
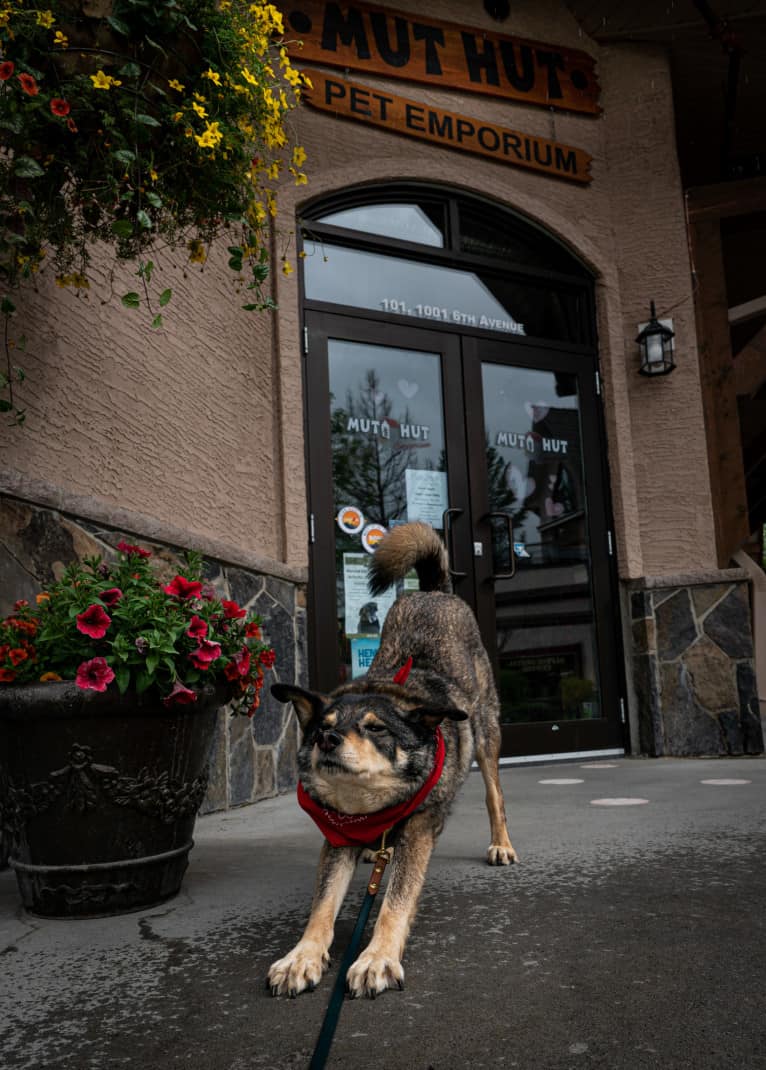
(631, 936)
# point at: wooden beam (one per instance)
(726, 199)
(719, 396)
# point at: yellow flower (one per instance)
(299, 155)
(153, 175)
(300, 179)
(249, 77)
(60, 39)
(214, 76)
(175, 84)
(44, 18)
(197, 254)
(273, 171)
(210, 138)
(103, 81)
(178, 116)
(306, 80)
(199, 110)
(286, 267)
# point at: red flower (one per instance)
(197, 628)
(181, 588)
(127, 547)
(6, 70)
(94, 675)
(239, 665)
(232, 611)
(59, 106)
(28, 84)
(17, 655)
(180, 695)
(72, 125)
(7, 676)
(205, 653)
(21, 604)
(267, 659)
(111, 597)
(94, 622)
(253, 630)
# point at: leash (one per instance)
(327, 1032)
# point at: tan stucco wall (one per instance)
(199, 426)
(628, 225)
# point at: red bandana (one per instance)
(362, 830)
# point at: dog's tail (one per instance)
(410, 546)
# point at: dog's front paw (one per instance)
(372, 974)
(300, 970)
(501, 855)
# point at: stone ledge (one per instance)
(688, 579)
(39, 493)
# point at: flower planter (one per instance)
(99, 795)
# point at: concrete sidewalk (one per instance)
(629, 937)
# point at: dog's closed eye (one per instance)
(374, 726)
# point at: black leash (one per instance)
(327, 1032)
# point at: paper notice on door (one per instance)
(364, 615)
(426, 496)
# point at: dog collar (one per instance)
(363, 830)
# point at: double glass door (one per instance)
(498, 447)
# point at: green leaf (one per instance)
(124, 156)
(131, 300)
(152, 661)
(235, 262)
(20, 374)
(144, 220)
(7, 306)
(154, 200)
(154, 44)
(165, 297)
(5, 406)
(118, 25)
(123, 228)
(122, 676)
(146, 120)
(143, 680)
(253, 307)
(26, 167)
(130, 70)
(157, 321)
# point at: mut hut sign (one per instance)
(398, 44)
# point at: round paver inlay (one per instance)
(619, 802)
(561, 780)
(725, 780)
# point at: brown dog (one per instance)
(371, 749)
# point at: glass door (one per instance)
(543, 577)
(392, 451)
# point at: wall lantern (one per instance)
(655, 341)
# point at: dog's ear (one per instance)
(432, 716)
(307, 704)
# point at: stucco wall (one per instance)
(177, 428)
(628, 225)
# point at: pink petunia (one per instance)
(206, 653)
(94, 675)
(231, 610)
(197, 628)
(183, 588)
(111, 597)
(181, 695)
(239, 665)
(94, 621)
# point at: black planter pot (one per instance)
(99, 793)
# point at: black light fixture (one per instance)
(655, 341)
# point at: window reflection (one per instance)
(407, 222)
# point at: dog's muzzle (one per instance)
(328, 739)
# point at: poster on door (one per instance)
(426, 496)
(364, 614)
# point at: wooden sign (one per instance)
(445, 128)
(398, 44)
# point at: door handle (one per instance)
(511, 555)
(447, 525)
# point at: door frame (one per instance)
(461, 354)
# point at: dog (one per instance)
(368, 619)
(371, 751)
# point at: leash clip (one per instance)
(382, 858)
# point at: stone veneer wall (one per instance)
(692, 666)
(251, 759)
